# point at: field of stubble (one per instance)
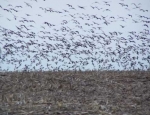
(75, 93)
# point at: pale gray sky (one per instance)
(120, 22)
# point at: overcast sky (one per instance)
(115, 33)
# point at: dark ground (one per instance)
(75, 93)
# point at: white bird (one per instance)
(0, 52)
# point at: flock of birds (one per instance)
(89, 36)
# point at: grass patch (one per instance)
(75, 93)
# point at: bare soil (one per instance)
(75, 93)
